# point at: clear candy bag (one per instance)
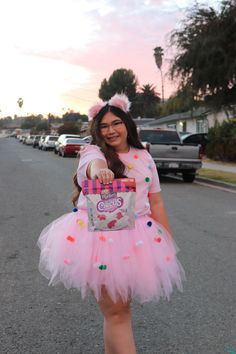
(110, 206)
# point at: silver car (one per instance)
(49, 142)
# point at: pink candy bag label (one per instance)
(110, 206)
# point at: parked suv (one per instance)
(29, 140)
(36, 141)
(197, 138)
(49, 142)
(41, 140)
(61, 139)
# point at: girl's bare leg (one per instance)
(118, 334)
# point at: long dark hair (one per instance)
(113, 161)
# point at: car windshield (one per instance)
(159, 136)
(53, 138)
(71, 137)
(74, 141)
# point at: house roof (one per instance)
(143, 121)
(201, 111)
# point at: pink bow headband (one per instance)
(118, 100)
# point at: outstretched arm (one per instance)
(158, 211)
(98, 169)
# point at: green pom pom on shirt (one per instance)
(102, 267)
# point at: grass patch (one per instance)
(228, 177)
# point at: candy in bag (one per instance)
(110, 206)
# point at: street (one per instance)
(35, 188)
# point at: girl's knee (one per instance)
(118, 310)
(117, 315)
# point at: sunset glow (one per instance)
(54, 54)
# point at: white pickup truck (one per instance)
(170, 154)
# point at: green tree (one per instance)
(31, 121)
(70, 128)
(104, 91)
(120, 81)
(222, 141)
(206, 52)
(146, 102)
(182, 101)
(5, 121)
(42, 126)
(71, 117)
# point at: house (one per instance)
(195, 121)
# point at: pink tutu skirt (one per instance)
(139, 263)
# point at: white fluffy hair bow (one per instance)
(119, 100)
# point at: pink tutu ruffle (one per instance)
(139, 263)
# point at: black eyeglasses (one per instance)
(116, 125)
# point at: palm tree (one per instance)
(20, 102)
(158, 54)
(148, 99)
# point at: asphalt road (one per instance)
(35, 188)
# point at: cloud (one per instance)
(122, 39)
(70, 46)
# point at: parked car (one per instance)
(21, 138)
(169, 153)
(71, 147)
(87, 139)
(60, 140)
(49, 142)
(36, 140)
(184, 134)
(24, 139)
(197, 138)
(29, 140)
(41, 140)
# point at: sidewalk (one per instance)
(218, 165)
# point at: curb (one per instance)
(215, 182)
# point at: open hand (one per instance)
(105, 176)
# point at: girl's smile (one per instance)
(114, 132)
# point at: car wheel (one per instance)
(188, 177)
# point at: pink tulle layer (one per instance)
(139, 263)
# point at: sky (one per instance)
(55, 53)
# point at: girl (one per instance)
(120, 265)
